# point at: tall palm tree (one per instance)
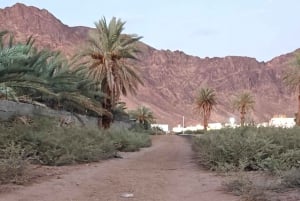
(143, 115)
(107, 57)
(205, 102)
(291, 78)
(243, 102)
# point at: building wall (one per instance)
(282, 122)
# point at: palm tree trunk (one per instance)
(105, 121)
(242, 118)
(298, 114)
(99, 122)
(205, 124)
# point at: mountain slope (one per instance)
(171, 78)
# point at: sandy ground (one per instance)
(164, 172)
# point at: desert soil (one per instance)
(164, 172)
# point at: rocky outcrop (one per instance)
(172, 78)
(47, 30)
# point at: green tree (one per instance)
(291, 78)
(44, 76)
(243, 102)
(107, 55)
(205, 102)
(143, 115)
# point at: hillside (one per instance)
(171, 78)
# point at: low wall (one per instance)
(10, 109)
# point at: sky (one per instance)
(262, 29)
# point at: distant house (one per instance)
(177, 129)
(214, 126)
(164, 127)
(282, 121)
(180, 129)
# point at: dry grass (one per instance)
(259, 186)
(13, 164)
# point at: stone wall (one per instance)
(10, 109)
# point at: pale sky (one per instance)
(206, 28)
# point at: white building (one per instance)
(177, 129)
(282, 121)
(211, 126)
(180, 129)
(214, 126)
(164, 127)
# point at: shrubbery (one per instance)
(13, 163)
(44, 141)
(271, 150)
(249, 148)
(129, 140)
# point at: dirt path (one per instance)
(163, 172)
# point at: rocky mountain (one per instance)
(171, 78)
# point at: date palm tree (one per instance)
(291, 78)
(107, 57)
(205, 102)
(243, 102)
(44, 76)
(143, 115)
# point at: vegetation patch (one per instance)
(249, 148)
(128, 140)
(13, 164)
(44, 141)
(260, 187)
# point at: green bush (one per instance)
(129, 140)
(200, 131)
(249, 148)
(139, 128)
(47, 143)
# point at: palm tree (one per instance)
(291, 78)
(107, 57)
(45, 76)
(119, 112)
(243, 102)
(143, 115)
(205, 102)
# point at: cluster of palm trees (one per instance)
(244, 102)
(206, 101)
(90, 83)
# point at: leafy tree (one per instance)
(205, 102)
(243, 102)
(107, 57)
(143, 115)
(291, 78)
